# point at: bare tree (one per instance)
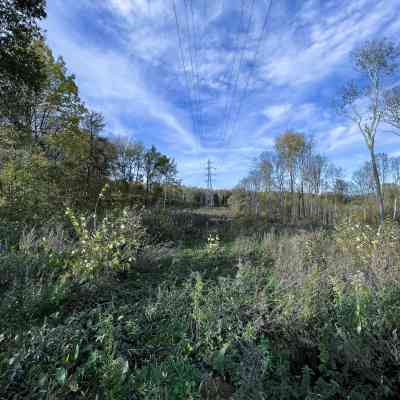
(266, 163)
(168, 171)
(383, 163)
(363, 180)
(253, 184)
(392, 109)
(376, 61)
(395, 170)
(129, 166)
(289, 146)
(395, 174)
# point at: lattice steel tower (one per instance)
(210, 194)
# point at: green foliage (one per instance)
(280, 316)
(213, 243)
(363, 242)
(72, 357)
(173, 378)
(109, 245)
(26, 188)
(19, 27)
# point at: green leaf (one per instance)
(43, 380)
(61, 376)
(219, 358)
(93, 357)
(76, 355)
(125, 366)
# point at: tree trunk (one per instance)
(378, 188)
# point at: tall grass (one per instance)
(273, 315)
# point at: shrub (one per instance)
(109, 245)
(213, 243)
(363, 242)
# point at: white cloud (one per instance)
(127, 77)
(111, 80)
(329, 42)
(138, 7)
(342, 136)
(277, 112)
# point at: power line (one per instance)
(231, 71)
(192, 59)
(238, 82)
(258, 48)
(196, 43)
(237, 78)
(183, 62)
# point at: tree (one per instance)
(52, 152)
(54, 105)
(363, 180)
(395, 170)
(69, 155)
(129, 165)
(266, 165)
(383, 163)
(168, 171)
(101, 154)
(25, 188)
(289, 146)
(160, 173)
(315, 169)
(19, 63)
(22, 69)
(151, 163)
(363, 102)
(392, 108)
(269, 180)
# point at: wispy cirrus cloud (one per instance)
(219, 101)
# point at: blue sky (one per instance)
(236, 89)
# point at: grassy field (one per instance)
(221, 314)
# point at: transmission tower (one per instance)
(209, 193)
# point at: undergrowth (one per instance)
(92, 314)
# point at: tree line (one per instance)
(297, 182)
(53, 148)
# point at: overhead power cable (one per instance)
(261, 39)
(184, 67)
(242, 52)
(239, 73)
(193, 69)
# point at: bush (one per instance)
(109, 245)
